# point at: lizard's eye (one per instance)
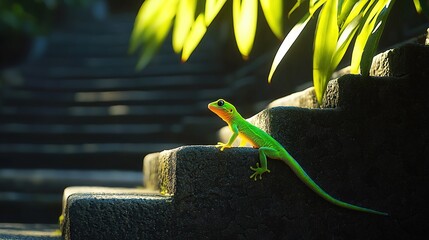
(220, 103)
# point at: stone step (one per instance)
(126, 207)
(60, 129)
(89, 138)
(34, 195)
(117, 118)
(120, 53)
(78, 51)
(214, 197)
(113, 24)
(65, 42)
(202, 81)
(156, 69)
(65, 37)
(85, 43)
(88, 148)
(120, 156)
(39, 191)
(94, 111)
(143, 97)
(55, 180)
(39, 133)
(18, 231)
(82, 40)
(21, 207)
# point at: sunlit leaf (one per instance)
(314, 5)
(372, 42)
(147, 14)
(287, 43)
(185, 17)
(151, 32)
(370, 6)
(418, 6)
(364, 34)
(152, 43)
(345, 7)
(195, 35)
(152, 14)
(422, 6)
(212, 10)
(325, 43)
(273, 11)
(356, 11)
(245, 15)
(346, 37)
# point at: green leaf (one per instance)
(345, 7)
(418, 6)
(296, 6)
(146, 16)
(287, 43)
(370, 5)
(185, 17)
(273, 11)
(152, 25)
(346, 37)
(195, 35)
(314, 5)
(356, 11)
(422, 6)
(372, 42)
(212, 9)
(325, 44)
(152, 43)
(362, 38)
(245, 15)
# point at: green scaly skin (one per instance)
(269, 147)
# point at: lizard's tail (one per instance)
(301, 174)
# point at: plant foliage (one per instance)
(339, 24)
(30, 17)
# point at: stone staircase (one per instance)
(82, 115)
(367, 146)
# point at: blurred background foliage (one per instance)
(340, 25)
(22, 21)
(30, 17)
(25, 16)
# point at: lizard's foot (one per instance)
(258, 171)
(222, 146)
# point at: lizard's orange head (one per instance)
(223, 109)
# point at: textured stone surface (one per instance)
(214, 198)
(105, 213)
(305, 99)
(373, 147)
(408, 59)
(150, 171)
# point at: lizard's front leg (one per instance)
(231, 140)
(263, 153)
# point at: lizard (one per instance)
(269, 147)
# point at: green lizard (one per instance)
(268, 147)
